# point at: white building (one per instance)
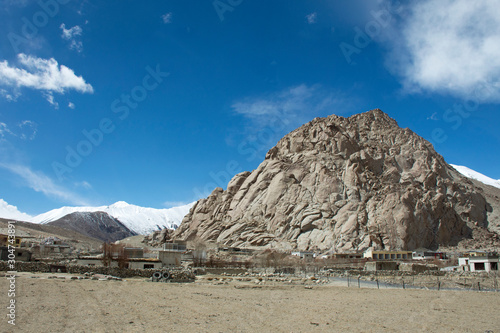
(304, 255)
(484, 263)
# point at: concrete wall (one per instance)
(373, 266)
(170, 258)
(178, 274)
(141, 265)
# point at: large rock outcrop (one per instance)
(343, 184)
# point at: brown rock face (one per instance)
(343, 184)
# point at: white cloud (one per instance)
(167, 18)
(71, 105)
(11, 212)
(311, 18)
(40, 182)
(450, 47)
(70, 33)
(50, 98)
(41, 74)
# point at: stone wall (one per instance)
(178, 274)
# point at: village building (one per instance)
(19, 235)
(354, 255)
(388, 255)
(144, 263)
(305, 255)
(20, 254)
(373, 266)
(487, 262)
(424, 254)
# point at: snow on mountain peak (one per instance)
(469, 173)
(142, 220)
(120, 204)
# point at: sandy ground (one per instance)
(134, 305)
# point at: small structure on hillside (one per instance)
(305, 255)
(388, 255)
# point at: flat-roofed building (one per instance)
(388, 255)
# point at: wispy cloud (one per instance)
(298, 101)
(311, 18)
(25, 130)
(9, 96)
(71, 105)
(4, 130)
(167, 18)
(273, 115)
(40, 74)
(72, 35)
(40, 182)
(50, 98)
(28, 129)
(450, 47)
(71, 32)
(84, 184)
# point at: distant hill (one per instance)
(38, 231)
(99, 225)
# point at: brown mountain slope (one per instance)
(42, 231)
(99, 225)
(344, 184)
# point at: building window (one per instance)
(494, 266)
(146, 266)
(479, 266)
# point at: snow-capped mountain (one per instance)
(141, 220)
(469, 173)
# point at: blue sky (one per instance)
(156, 103)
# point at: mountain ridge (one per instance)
(141, 220)
(98, 225)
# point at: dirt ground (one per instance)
(135, 305)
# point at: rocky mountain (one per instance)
(141, 220)
(346, 184)
(99, 225)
